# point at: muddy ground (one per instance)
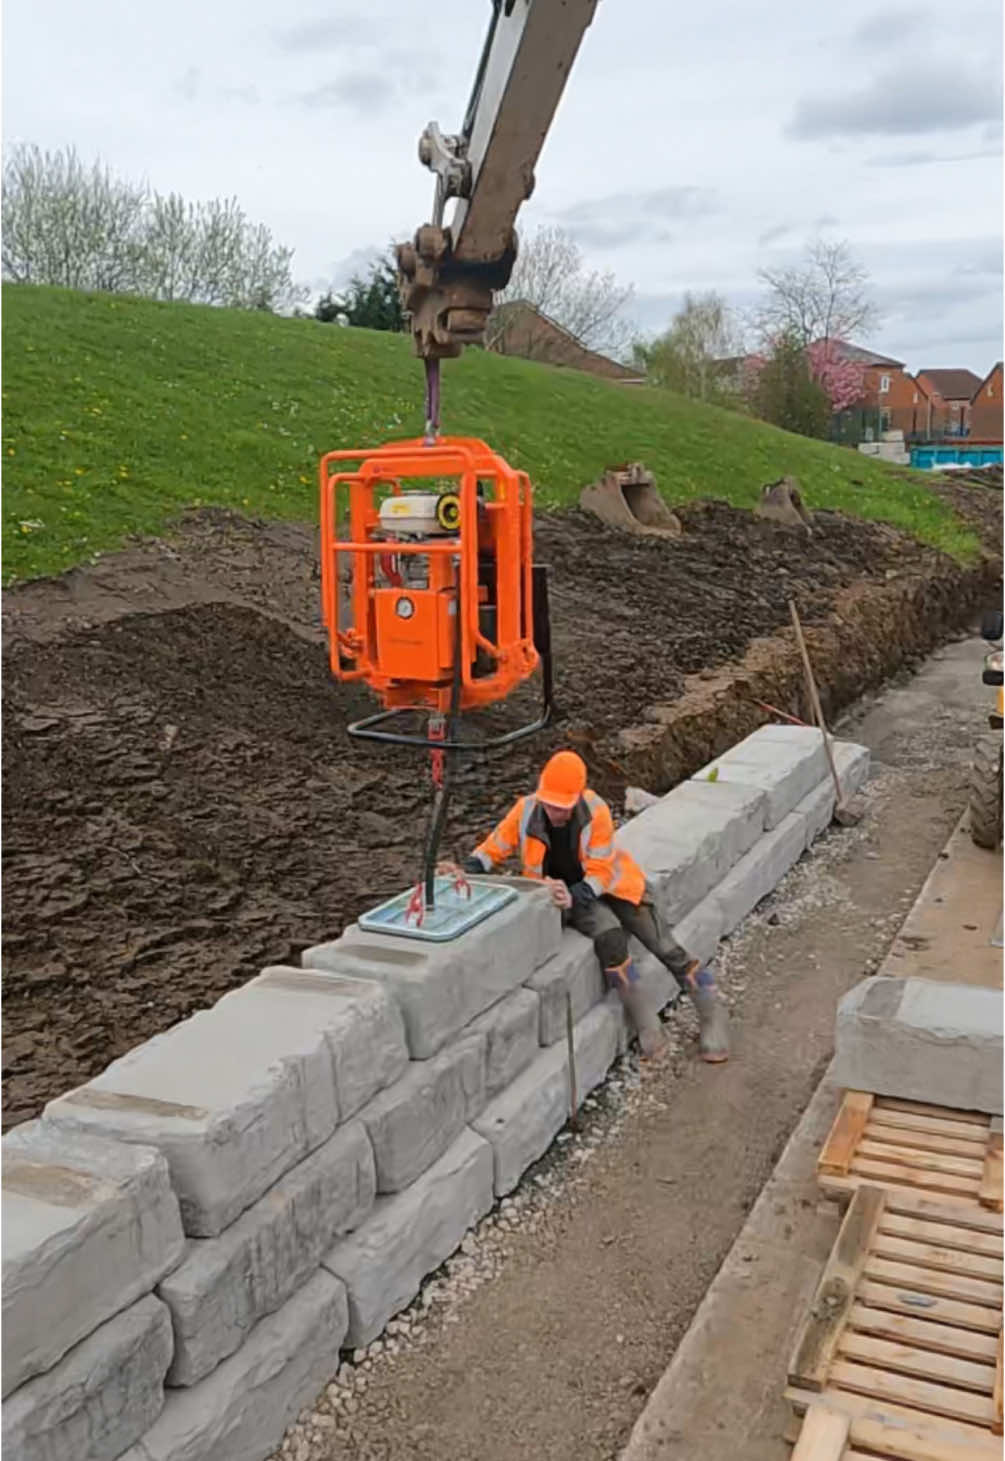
(182, 804)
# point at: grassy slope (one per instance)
(119, 412)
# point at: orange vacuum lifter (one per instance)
(432, 597)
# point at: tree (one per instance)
(82, 228)
(780, 388)
(371, 303)
(550, 275)
(826, 297)
(842, 379)
(685, 359)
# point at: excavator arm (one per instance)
(448, 274)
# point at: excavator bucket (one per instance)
(627, 497)
(782, 502)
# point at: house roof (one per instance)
(865, 357)
(952, 384)
(997, 366)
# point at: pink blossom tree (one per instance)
(841, 378)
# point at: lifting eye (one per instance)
(404, 608)
(448, 510)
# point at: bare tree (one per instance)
(550, 276)
(689, 357)
(84, 229)
(826, 297)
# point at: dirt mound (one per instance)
(182, 804)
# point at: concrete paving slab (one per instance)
(89, 1226)
(511, 1030)
(413, 1122)
(240, 1411)
(226, 1284)
(100, 1397)
(785, 767)
(922, 1040)
(691, 838)
(410, 1234)
(440, 988)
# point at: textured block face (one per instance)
(785, 767)
(233, 1099)
(413, 1122)
(410, 1234)
(226, 1284)
(689, 840)
(760, 871)
(241, 1410)
(699, 933)
(922, 1040)
(575, 970)
(100, 1397)
(89, 1226)
(440, 988)
(510, 1030)
(522, 1122)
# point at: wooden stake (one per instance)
(571, 1042)
(841, 812)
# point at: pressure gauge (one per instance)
(404, 608)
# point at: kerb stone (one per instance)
(440, 988)
(575, 970)
(408, 1235)
(691, 838)
(921, 1040)
(100, 1397)
(510, 1029)
(522, 1123)
(89, 1226)
(241, 1410)
(413, 1122)
(226, 1284)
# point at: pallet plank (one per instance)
(823, 1436)
(955, 1312)
(915, 1177)
(923, 1364)
(925, 1141)
(943, 1113)
(996, 1398)
(990, 1192)
(908, 1156)
(943, 1235)
(929, 1255)
(930, 1281)
(844, 1135)
(899, 1432)
(966, 1344)
(937, 1210)
(933, 1125)
(922, 1394)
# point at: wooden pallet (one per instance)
(950, 1157)
(900, 1355)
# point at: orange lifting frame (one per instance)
(508, 516)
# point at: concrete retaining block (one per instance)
(510, 1029)
(408, 1235)
(786, 768)
(576, 970)
(691, 838)
(362, 1024)
(699, 933)
(88, 1227)
(817, 809)
(227, 1284)
(241, 1410)
(440, 988)
(522, 1122)
(760, 870)
(413, 1122)
(922, 1040)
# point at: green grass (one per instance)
(119, 413)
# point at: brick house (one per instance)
(951, 392)
(892, 400)
(986, 407)
(519, 328)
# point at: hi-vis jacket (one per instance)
(526, 829)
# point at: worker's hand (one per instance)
(448, 870)
(560, 895)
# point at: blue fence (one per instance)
(962, 455)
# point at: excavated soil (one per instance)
(182, 804)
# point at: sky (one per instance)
(694, 145)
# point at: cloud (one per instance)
(889, 29)
(901, 159)
(910, 100)
(356, 91)
(327, 34)
(772, 235)
(618, 219)
(188, 86)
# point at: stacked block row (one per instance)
(191, 1237)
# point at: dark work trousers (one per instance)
(610, 922)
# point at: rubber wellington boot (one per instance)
(713, 1022)
(652, 1041)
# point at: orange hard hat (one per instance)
(563, 780)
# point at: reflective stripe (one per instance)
(596, 885)
(606, 851)
(529, 804)
(486, 862)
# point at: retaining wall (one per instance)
(190, 1238)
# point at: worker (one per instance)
(564, 834)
